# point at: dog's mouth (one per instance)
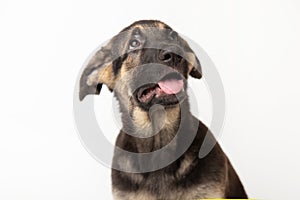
(166, 91)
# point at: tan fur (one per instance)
(140, 195)
(128, 64)
(127, 165)
(206, 191)
(160, 25)
(172, 116)
(106, 76)
(192, 61)
(141, 118)
(198, 192)
(185, 165)
(138, 26)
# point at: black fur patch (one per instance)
(117, 64)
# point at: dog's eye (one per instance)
(134, 44)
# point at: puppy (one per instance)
(147, 66)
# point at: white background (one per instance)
(254, 45)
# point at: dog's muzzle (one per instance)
(157, 84)
(170, 85)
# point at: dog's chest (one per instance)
(175, 195)
(160, 185)
(171, 193)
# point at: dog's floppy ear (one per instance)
(99, 70)
(194, 65)
(196, 70)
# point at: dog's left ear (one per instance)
(194, 65)
(99, 70)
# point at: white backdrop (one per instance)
(254, 45)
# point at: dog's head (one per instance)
(147, 63)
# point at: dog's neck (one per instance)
(155, 128)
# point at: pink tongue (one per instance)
(171, 86)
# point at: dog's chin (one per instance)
(168, 92)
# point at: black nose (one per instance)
(169, 54)
(165, 56)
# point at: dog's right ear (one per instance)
(97, 71)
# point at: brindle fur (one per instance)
(189, 177)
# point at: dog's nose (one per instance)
(170, 54)
(165, 55)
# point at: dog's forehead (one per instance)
(156, 26)
(148, 28)
(155, 33)
(148, 23)
(150, 33)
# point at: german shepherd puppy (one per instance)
(147, 66)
